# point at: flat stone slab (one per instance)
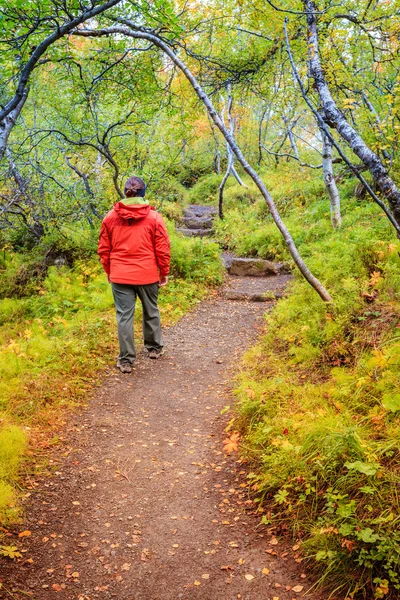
(194, 232)
(252, 267)
(197, 210)
(243, 297)
(194, 222)
(256, 289)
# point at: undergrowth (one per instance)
(318, 396)
(56, 334)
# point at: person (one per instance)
(134, 250)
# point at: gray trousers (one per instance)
(125, 300)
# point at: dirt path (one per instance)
(145, 506)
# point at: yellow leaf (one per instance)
(231, 444)
(197, 583)
(25, 533)
(265, 571)
(249, 577)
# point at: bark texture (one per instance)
(336, 119)
(9, 121)
(330, 183)
(20, 94)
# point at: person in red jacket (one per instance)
(134, 250)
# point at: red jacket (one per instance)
(134, 245)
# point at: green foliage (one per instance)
(56, 336)
(318, 394)
(195, 259)
(12, 448)
(205, 190)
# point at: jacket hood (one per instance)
(132, 211)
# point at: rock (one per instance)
(244, 297)
(251, 267)
(194, 222)
(196, 210)
(194, 232)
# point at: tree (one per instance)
(131, 30)
(336, 119)
(44, 29)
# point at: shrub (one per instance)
(318, 402)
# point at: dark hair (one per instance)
(134, 185)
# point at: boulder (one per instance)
(251, 267)
(194, 222)
(196, 210)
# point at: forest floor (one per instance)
(143, 504)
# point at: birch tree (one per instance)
(43, 30)
(337, 120)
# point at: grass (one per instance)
(318, 396)
(56, 339)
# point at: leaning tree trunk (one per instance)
(329, 180)
(138, 34)
(336, 119)
(9, 121)
(231, 159)
(222, 186)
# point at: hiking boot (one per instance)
(155, 352)
(124, 366)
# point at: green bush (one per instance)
(205, 190)
(12, 447)
(318, 401)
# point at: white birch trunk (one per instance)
(8, 123)
(330, 183)
(336, 119)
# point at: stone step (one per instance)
(252, 267)
(244, 297)
(194, 232)
(197, 210)
(197, 222)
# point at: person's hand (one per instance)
(163, 280)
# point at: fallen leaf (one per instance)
(126, 567)
(249, 577)
(145, 554)
(205, 576)
(25, 533)
(273, 542)
(265, 571)
(298, 588)
(197, 583)
(57, 587)
(231, 444)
